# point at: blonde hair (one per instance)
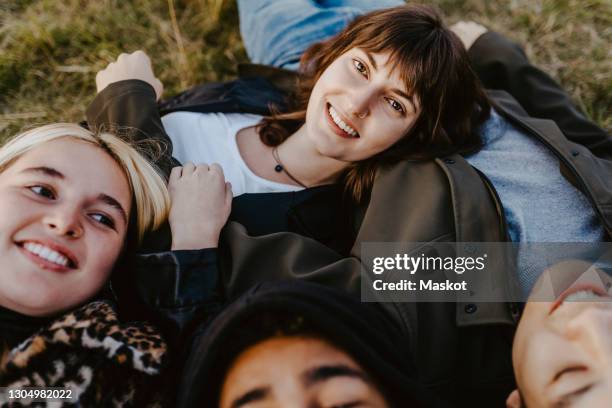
(148, 188)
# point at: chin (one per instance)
(32, 297)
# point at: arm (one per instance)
(172, 289)
(126, 100)
(502, 64)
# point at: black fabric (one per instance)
(16, 327)
(363, 330)
(318, 213)
(171, 289)
(502, 64)
(253, 95)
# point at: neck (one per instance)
(16, 327)
(305, 163)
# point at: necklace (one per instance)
(280, 167)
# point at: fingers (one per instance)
(468, 32)
(159, 88)
(136, 65)
(142, 55)
(189, 168)
(175, 174)
(229, 195)
(216, 168)
(201, 169)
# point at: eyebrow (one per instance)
(325, 373)
(251, 396)
(108, 200)
(47, 171)
(309, 378)
(395, 90)
(104, 198)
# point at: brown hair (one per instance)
(434, 66)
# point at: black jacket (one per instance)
(440, 200)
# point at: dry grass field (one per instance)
(50, 50)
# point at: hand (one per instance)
(201, 202)
(136, 65)
(468, 32)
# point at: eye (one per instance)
(360, 67)
(347, 404)
(395, 105)
(568, 370)
(103, 219)
(42, 191)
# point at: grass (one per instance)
(50, 50)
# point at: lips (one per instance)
(339, 125)
(578, 292)
(48, 255)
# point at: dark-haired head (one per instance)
(320, 338)
(434, 71)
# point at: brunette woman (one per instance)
(445, 199)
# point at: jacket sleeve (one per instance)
(172, 289)
(129, 109)
(502, 64)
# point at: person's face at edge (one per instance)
(297, 372)
(562, 352)
(367, 98)
(64, 207)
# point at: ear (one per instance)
(513, 400)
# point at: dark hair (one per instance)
(277, 324)
(434, 66)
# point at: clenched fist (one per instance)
(136, 65)
(468, 32)
(201, 202)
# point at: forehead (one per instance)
(85, 167)
(291, 357)
(296, 351)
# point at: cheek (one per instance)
(383, 131)
(103, 253)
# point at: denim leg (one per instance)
(364, 5)
(277, 32)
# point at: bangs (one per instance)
(419, 49)
(401, 61)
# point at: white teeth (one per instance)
(341, 124)
(582, 295)
(46, 253)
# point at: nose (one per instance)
(359, 104)
(593, 329)
(64, 221)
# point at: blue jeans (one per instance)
(277, 32)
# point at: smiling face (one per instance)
(64, 208)
(297, 372)
(359, 107)
(562, 352)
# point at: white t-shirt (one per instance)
(211, 138)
